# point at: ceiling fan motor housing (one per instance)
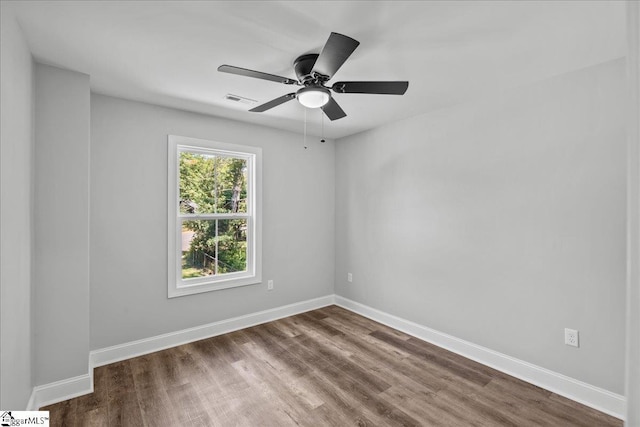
(303, 65)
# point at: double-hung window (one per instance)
(213, 215)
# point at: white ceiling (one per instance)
(167, 53)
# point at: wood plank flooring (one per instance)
(327, 367)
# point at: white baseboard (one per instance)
(31, 404)
(160, 342)
(58, 391)
(595, 397)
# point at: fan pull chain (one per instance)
(305, 128)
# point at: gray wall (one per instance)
(129, 226)
(633, 256)
(61, 225)
(16, 165)
(500, 222)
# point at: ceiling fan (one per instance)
(314, 71)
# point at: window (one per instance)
(214, 215)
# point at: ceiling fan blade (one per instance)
(334, 53)
(333, 110)
(381, 88)
(256, 74)
(273, 103)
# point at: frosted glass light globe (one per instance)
(313, 97)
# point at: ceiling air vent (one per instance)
(238, 98)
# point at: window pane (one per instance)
(212, 184)
(213, 247)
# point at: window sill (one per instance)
(179, 291)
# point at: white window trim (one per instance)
(176, 285)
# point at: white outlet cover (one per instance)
(571, 337)
(349, 277)
(270, 285)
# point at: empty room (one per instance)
(309, 213)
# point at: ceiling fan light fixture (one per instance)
(313, 71)
(313, 96)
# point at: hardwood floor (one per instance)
(327, 367)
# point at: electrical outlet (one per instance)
(270, 285)
(349, 277)
(571, 337)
